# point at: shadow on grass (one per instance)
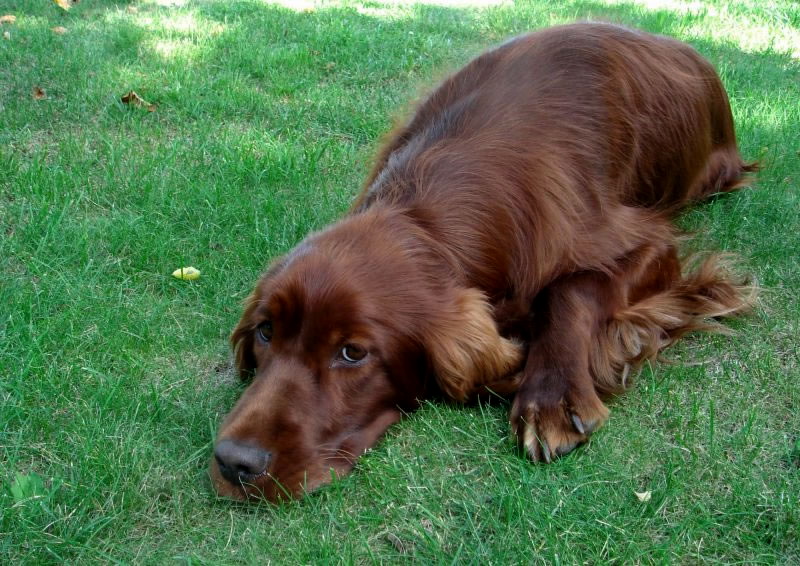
(260, 57)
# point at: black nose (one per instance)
(241, 463)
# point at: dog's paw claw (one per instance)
(577, 423)
(546, 452)
(549, 432)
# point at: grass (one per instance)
(113, 375)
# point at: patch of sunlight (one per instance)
(457, 3)
(729, 23)
(677, 6)
(310, 5)
(389, 8)
(169, 48)
(296, 5)
(184, 23)
(170, 3)
(177, 33)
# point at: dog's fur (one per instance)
(514, 236)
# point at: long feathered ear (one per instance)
(242, 342)
(243, 336)
(465, 348)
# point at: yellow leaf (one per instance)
(644, 496)
(8, 19)
(60, 30)
(63, 4)
(186, 273)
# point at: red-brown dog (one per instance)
(514, 236)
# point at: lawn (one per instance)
(264, 117)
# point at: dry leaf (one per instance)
(132, 9)
(63, 4)
(396, 543)
(133, 99)
(644, 496)
(6, 35)
(38, 93)
(60, 30)
(8, 19)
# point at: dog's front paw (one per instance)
(549, 424)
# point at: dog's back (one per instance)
(571, 131)
(638, 114)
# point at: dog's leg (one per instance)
(557, 405)
(591, 328)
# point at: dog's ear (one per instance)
(242, 343)
(243, 336)
(465, 348)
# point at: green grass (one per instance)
(113, 375)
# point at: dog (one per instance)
(514, 238)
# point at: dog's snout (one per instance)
(241, 463)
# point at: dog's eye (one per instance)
(264, 331)
(352, 353)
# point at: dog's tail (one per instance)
(642, 330)
(724, 173)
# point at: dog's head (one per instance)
(340, 337)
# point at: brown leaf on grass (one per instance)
(38, 93)
(8, 19)
(396, 543)
(133, 99)
(60, 30)
(63, 4)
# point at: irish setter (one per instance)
(514, 237)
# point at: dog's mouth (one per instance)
(240, 470)
(247, 479)
(243, 486)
